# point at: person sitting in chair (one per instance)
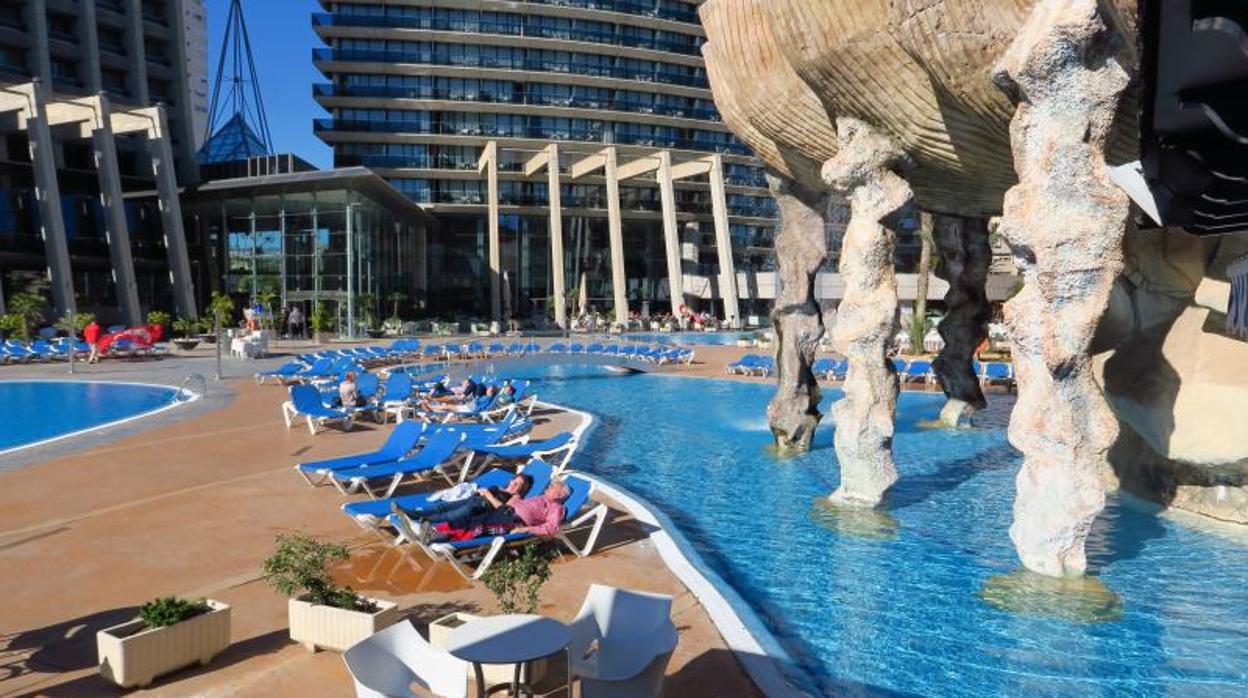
(539, 516)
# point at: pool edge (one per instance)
(194, 396)
(758, 652)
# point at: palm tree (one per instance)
(396, 297)
(918, 325)
(31, 307)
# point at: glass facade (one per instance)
(332, 242)
(415, 92)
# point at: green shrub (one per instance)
(158, 317)
(32, 308)
(300, 567)
(185, 326)
(12, 324)
(320, 320)
(516, 581)
(918, 329)
(158, 613)
(222, 307)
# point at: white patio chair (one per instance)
(621, 642)
(386, 664)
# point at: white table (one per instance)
(509, 639)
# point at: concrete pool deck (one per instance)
(189, 504)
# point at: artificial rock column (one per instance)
(964, 258)
(1064, 222)
(863, 170)
(801, 248)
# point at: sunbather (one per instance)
(481, 501)
(539, 516)
(349, 391)
(464, 404)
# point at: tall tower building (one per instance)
(195, 30)
(417, 90)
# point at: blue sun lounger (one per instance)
(281, 373)
(373, 514)
(460, 554)
(557, 450)
(917, 370)
(305, 401)
(401, 441)
(434, 457)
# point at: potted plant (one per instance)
(160, 317)
(221, 307)
(185, 327)
(322, 614)
(320, 321)
(169, 634)
(515, 582)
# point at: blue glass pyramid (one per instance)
(233, 141)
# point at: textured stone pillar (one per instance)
(801, 248)
(867, 319)
(1064, 222)
(964, 259)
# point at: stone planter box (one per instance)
(133, 654)
(441, 628)
(325, 627)
(186, 344)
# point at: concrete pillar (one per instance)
(119, 247)
(723, 243)
(488, 163)
(671, 233)
(137, 77)
(40, 61)
(615, 230)
(30, 101)
(89, 40)
(550, 160)
(171, 213)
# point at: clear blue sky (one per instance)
(282, 41)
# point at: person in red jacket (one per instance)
(91, 333)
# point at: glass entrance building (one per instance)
(415, 91)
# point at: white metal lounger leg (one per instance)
(312, 426)
(288, 412)
(599, 516)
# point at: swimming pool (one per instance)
(42, 410)
(892, 603)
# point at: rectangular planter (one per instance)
(133, 654)
(441, 628)
(325, 627)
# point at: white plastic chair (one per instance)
(386, 664)
(635, 638)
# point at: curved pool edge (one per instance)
(178, 391)
(747, 637)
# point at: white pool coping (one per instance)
(107, 425)
(759, 653)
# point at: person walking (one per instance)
(91, 333)
(294, 323)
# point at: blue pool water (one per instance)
(890, 605)
(39, 410)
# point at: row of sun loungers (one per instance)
(480, 453)
(44, 350)
(908, 371)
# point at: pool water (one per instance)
(890, 603)
(40, 410)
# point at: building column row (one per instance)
(37, 114)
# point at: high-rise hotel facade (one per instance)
(81, 135)
(417, 89)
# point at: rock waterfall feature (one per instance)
(801, 248)
(864, 171)
(1064, 222)
(964, 257)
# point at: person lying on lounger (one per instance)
(540, 516)
(481, 501)
(467, 404)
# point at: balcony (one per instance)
(521, 98)
(529, 64)
(504, 28)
